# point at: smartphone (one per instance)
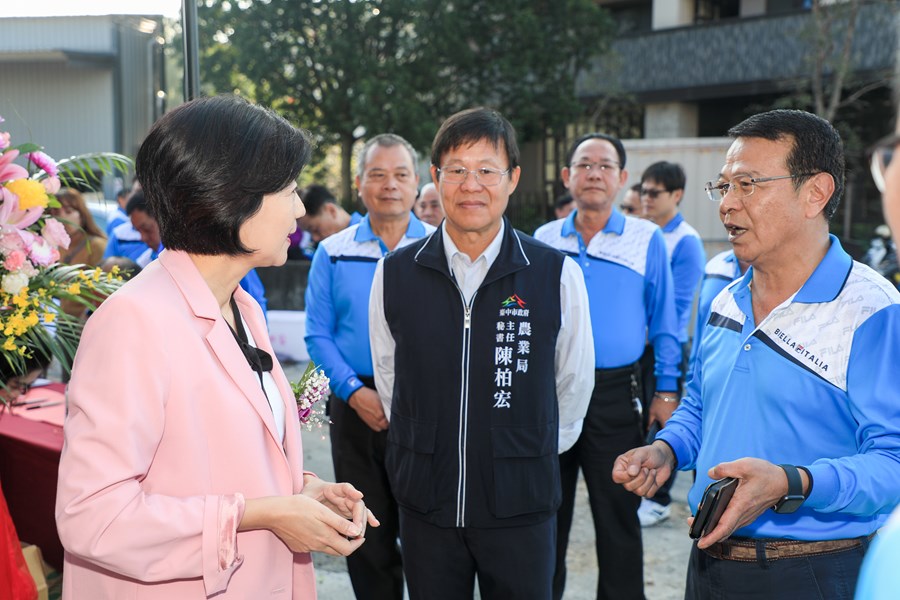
(712, 505)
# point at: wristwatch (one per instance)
(794, 497)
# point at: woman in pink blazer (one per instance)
(181, 474)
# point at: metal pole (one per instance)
(191, 49)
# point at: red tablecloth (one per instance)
(29, 462)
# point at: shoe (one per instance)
(652, 513)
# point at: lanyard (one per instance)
(260, 360)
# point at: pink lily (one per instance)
(8, 170)
(11, 218)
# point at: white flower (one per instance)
(13, 283)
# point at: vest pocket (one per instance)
(409, 458)
(526, 469)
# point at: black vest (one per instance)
(474, 418)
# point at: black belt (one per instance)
(617, 372)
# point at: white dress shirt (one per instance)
(574, 345)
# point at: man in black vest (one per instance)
(483, 357)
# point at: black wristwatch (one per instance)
(794, 497)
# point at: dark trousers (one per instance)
(510, 562)
(612, 426)
(376, 568)
(823, 577)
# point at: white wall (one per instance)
(701, 159)
(672, 13)
(68, 111)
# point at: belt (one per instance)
(750, 550)
(617, 372)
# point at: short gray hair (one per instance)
(387, 140)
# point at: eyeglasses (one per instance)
(484, 175)
(880, 157)
(742, 186)
(587, 167)
(652, 194)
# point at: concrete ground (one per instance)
(666, 546)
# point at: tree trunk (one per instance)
(347, 197)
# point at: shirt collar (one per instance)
(826, 281)
(615, 223)
(414, 229)
(490, 253)
(675, 222)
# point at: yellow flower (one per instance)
(31, 193)
(74, 289)
(10, 344)
(49, 317)
(32, 319)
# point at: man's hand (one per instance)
(661, 410)
(367, 404)
(761, 485)
(642, 470)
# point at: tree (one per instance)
(347, 69)
(342, 69)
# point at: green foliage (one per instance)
(82, 170)
(349, 69)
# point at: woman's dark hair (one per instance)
(205, 167)
(470, 127)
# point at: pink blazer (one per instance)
(167, 426)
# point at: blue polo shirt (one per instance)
(125, 240)
(879, 578)
(629, 283)
(814, 385)
(722, 269)
(687, 259)
(337, 301)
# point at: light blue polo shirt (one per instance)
(337, 301)
(814, 385)
(629, 283)
(688, 260)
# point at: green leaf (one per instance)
(28, 147)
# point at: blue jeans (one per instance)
(821, 577)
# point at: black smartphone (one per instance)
(712, 505)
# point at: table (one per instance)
(30, 444)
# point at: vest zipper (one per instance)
(464, 408)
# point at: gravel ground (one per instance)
(666, 546)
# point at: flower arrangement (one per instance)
(32, 282)
(312, 387)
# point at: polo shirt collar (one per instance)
(615, 224)
(826, 281)
(675, 222)
(364, 233)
